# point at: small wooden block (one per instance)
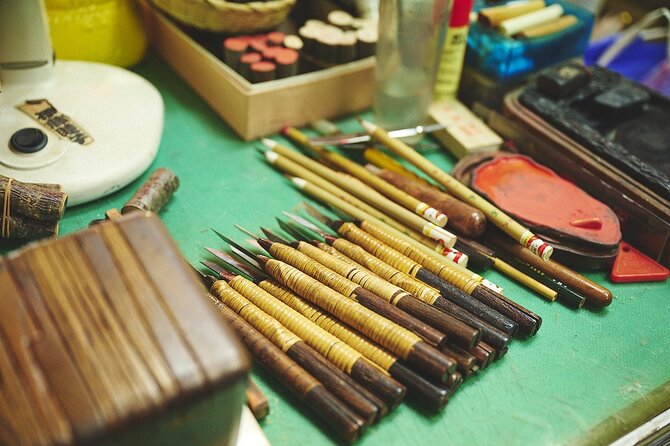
(107, 337)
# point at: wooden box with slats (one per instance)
(106, 336)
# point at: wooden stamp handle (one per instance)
(154, 193)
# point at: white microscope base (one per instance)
(121, 111)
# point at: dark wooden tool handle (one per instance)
(388, 389)
(463, 218)
(489, 333)
(380, 306)
(596, 295)
(527, 321)
(459, 332)
(464, 360)
(329, 408)
(432, 396)
(431, 361)
(484, 354)
(480, 257)
(256, 400)
(339, 384)
(459, 297)
(335, 413)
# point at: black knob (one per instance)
(28, 140)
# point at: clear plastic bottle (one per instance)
(411, 35)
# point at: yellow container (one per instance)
(107, 31)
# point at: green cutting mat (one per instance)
(581, 368)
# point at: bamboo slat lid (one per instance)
(103, 329)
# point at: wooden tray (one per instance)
(262, 109)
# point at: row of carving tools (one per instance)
(450, 221)
(352, 323)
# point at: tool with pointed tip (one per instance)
(429, 394)
(245, 254)
(350, 290)
(308, 389)
(397, 339)
(377, 241)
(371, 391)
(250, 271)
(274, 237)
(246, 231)
(480, 298)
(518, 232)
(280, 363)
(458, 332)
(364, 296)
(449, 291)
(429, 259)
(393, 193)
(296, 231)
(350, 252)
(354, 192)
(306, 223)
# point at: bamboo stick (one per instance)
(518, 232)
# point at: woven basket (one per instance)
(227, 17)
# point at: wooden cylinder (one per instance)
(233, 49)
(246, 61)
(366, 42)
(287, 63)
(275, 38)
(293, 42)
(346, 47)
(33, 201)
(154, 193)
(262, 71)
(339, 18)
(21, 228)
(530, 20)
(546, 29)
(256, 400)
(463, 218)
